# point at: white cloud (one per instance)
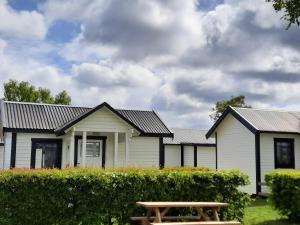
(21, 24)
(111, 75)
(164, 55)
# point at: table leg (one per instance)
(149, 213)
(163, 213)
(216, 214)
(203, 216)
(158, 215)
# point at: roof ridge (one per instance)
(268, 110)
(139, 110)
(39, 103)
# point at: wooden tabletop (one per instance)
(181, 204)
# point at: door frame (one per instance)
(46, 140)
(100, 138)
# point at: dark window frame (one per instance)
(292, 142)
(46, 140)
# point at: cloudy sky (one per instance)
(175, 56)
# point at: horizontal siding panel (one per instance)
(172, 155)
(206, 157)
(144, 151)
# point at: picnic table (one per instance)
(156, 212)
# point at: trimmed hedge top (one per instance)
(96, 196)
(285, 192)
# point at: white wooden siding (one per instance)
(236, 149)
(103, 120)
(172, 155)
(189, 156)
(23, 150)
(267, 153)
(206, 157)
(1, 157)
(144, 151)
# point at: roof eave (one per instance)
(235, 115)
(169, 135)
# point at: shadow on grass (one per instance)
(277, 222)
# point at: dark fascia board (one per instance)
(170, 135)
(61, 130)
(235, 115)
(193, 144)
(31, 130)
(278, 132)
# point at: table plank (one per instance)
(182, 204)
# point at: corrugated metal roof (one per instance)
(271, 120)
(189, 136)
(34, 116)
(148, 121)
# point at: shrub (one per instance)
(285, 192)
(95, 196)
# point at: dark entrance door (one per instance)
(46, 153)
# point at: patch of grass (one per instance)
(261, 213)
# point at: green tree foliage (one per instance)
(26, 92)
(221, 106)
(62, 98)
(291, 10)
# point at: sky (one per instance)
(177, 57)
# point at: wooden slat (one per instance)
(139, 218)
(182, 204)
(200, 223)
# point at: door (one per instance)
(94, 151)
(46, 153)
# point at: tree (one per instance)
(221, 106)
(62, 98)
(25, 92)
(291, 10)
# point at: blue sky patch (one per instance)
(25, 5)
(208, 5)
(63, 31)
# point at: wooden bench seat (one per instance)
(141, 218)
(200, 223)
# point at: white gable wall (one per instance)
(103, 120)
(267, 156)
(236, 149)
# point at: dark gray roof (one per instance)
(48, 117)
(189, 136)
(148, 121)
(271, 120)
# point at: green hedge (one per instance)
(95, 196)
(285, 192)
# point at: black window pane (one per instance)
(284, 153)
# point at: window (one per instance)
(284, 153)
(93, 149)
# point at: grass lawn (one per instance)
(261, 213)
